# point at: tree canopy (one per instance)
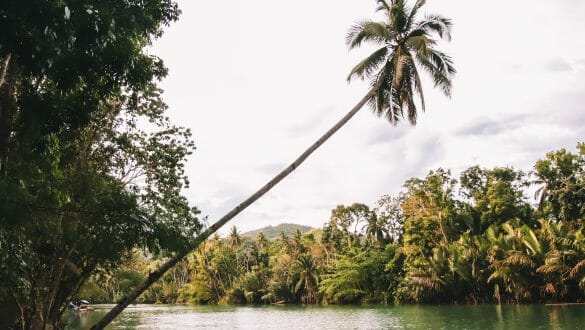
(90, 166)
(475, 238)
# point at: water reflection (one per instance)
(338, 317)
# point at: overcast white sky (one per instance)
(257, 81)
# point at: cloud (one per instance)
(388, 134)
(271, 168)
(565, 109)
(414, 156)
(509, 108)
(490, 127)
(311, 124)
(423, 152)
(221, 201)
(557, 64)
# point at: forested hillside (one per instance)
(271, 232)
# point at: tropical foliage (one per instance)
(91, 175)
(90, 166)
(477, 239)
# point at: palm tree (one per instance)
(261, 240)
(558, 242)
(376, 231)
(577, 272)
(282, 241)
(515, 257)
(432, 278)
(407, 43)
(308, 277)
(235, 241)
(235, 238)
(296, 243)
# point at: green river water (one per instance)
(339, 317)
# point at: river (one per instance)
(338, 317)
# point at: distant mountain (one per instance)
(272, 232)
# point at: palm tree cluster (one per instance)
(472, 240)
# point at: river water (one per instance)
(338, 317)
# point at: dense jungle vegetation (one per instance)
(90, 166)
(478, 239)
(92, 174)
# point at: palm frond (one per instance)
(530, 240)
(580, 266)
(381, 98)
(417, 5)
(382, 6)
(420, 43)
(437, 24)
(439, 66)
(551, 269)
(299, 284)
(382, 87)
(427, 281)
(439, 79)
(394, 112)
(412, 89)
(442, 61)
(501, 273)
(366, 67)
(553, 257)
(367, 31)
(398, 16)
(418, 86)
(519, 259)
(410, 105)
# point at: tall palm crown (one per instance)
(234, 238)
(407, 45)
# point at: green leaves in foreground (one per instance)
(90, 167)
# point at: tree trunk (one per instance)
(441, 227)
(6, 110)
(154, 276)
(4, 69)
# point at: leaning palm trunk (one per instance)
(154, 276)
(392, 69)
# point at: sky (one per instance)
(258, 81)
